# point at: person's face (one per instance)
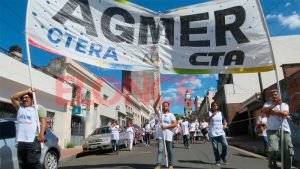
(274, 96)
(214, 107)
(26, 100)
(165, 107)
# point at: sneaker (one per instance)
(218, 163)
(170, 167)
(224, 161)
(157, 167)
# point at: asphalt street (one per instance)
(197, 156)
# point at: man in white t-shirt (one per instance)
(276, 112)
(28, 137)
(148, 130)
(167, 123)
(192, 128)
(185, 132)
(216, 133)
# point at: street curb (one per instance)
(248, 152)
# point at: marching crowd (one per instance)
(167, 131)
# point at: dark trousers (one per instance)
(29, 155)
(186, 140)
(147, 138)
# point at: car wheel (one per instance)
(51, 160)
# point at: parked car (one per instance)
(138, 134)
(8, 147)
(100, 139)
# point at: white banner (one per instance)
(214, 37)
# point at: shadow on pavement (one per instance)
(195, 161)
(243, 155)
(134, 166)
(97, 152)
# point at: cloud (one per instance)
(292, 21)
(169, 91)
(287, 4)
(195, 83)
(204, 76)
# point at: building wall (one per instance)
(232, 109)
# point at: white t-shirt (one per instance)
(203, 125)
(148, 128)
(166, 120)
(262, 120)
(27, 124)
(216, 125)
(129, 133)
(192, 126)
(197, 125)
(115, 132)
(185, 128)
(274, 122)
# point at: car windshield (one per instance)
(101, 130)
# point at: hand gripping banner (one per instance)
(214, 37)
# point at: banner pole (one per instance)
(30, 69)
(277, 79)
(163, 134)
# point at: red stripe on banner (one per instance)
(43, 47)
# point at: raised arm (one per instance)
(156, 103)
(15, 97)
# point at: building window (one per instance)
(50, 119)
(7, 110)
(105, 97)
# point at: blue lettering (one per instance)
(50, 33)
(111, 52)
(81, 44)
(95, 48)
(69, 39)
(29, 117)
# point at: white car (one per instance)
(100, 139)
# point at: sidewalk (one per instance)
(70, 153)
(245, 142)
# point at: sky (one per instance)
(282, 18)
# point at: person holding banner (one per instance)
(167, 123)
(217, 133)
(276, 112)
(28, 138)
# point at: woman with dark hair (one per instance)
(114, 130)
(217, 134)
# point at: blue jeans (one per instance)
(265, 140)
(214, 141)
(161, 150)
(115, 145)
